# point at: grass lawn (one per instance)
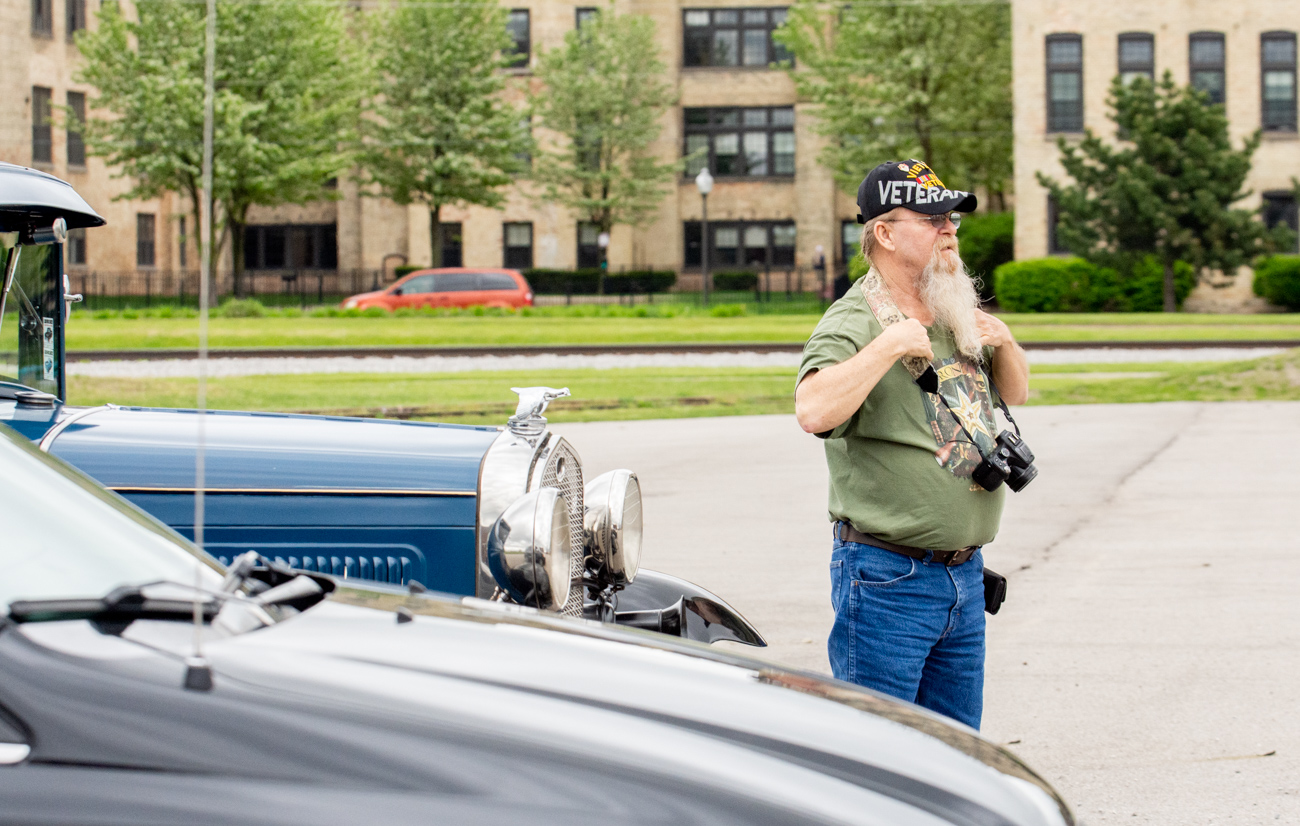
(117, 333)
(653, 393)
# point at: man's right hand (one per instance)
(907, 338)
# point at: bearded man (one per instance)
(909, 523)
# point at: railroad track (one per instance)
(159, 354)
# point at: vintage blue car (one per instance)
(500, 513)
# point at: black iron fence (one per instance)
(145, 288)
(107, 289)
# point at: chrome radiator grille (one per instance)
(564, 471)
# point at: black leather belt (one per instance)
(848, 533)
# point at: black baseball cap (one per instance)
(910, 184)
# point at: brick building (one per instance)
(772, 204)
(1065, 55)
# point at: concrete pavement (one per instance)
(1148, 658)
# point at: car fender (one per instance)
(674, 606)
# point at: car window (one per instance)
(29, 325)
(496, 281)
(457, 282)
(65, 536)
(418, 284)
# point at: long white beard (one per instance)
(949, 293)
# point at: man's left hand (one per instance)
(993, 331)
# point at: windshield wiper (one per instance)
(112, 612)
(234, 611)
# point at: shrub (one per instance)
(1143, 290)
(1073, 285)
(1277, 280)
(640, 281)
(727, 310)
(586, 281)
(734, 280)
(374, 312)
(406, 269)
(241, 308)
(1045, 285)
(987, 242)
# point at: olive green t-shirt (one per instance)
(900, 466)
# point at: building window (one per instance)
(1277, 62)
(517, 26)
(452, 244)
(749, 142)
(1137, 56)
(76, 247)
(182, 255)
(43, 18)
(1064, 83)
(752, 245)
(76, 17)
(145, 248)
(850, 240)
(76, 117)
(588, 245)
(1054, 246)
(291, 247)
(42, 133)
(1207, 63)
(518, 245)
(732, 37)
(584, 15)
(1206, 58)
(1280, 208)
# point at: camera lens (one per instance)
(1021, 476)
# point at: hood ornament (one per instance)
(528, 420)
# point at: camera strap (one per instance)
(882, 304)
(876, 292)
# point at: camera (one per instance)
(1012, 462)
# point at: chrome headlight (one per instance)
(529, 549)
(612, 523)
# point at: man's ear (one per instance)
(885, 235)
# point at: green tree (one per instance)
(437, 130)
(1165, 190)
(603, 93)
(286, 97)
(927, 79)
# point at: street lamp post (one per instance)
(704, 183)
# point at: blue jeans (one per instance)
(909, 628)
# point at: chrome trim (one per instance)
(301, 491)
(10, 270)
(560, 467)
(525, 549)
(47, 441)
(13, 753)
(504, 473)
(608, 498)
(528, 419)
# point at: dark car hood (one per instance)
(145, 449)
(506, 676)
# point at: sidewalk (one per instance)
(1149, 649)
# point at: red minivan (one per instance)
(450, 287)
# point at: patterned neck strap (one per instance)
(882, 304)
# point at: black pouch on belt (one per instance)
(995, 590)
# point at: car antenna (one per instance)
(198, 672)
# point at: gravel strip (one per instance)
(230, 367)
